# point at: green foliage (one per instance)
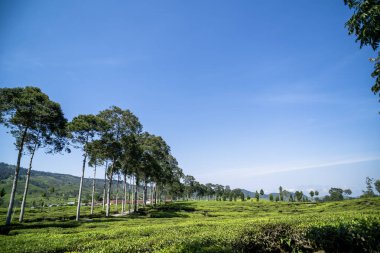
(365, 25)
(2, 192)
(257, 196)
(336, 194)
(377, 185)
(369, 188)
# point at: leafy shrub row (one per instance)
(358, 235)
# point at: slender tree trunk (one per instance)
(93, 191)
(155, 195)
(13, 192)
(136, 195)
(104, 186)
(151, 194)
(27, 184)
(129, 195)
(125, 193)
(133, 192)
(145, 192)
(117, 192)
(80, 187)
(109, 194)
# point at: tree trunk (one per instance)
(93, 191)
(80, 187)
(155, 195)
(151, 194)
(13, 192)
(27, 184)
(104, 186)
(145, 193)
(135, 207)
(125, 194)
(129, 195)
(117, 192)
(109, 194)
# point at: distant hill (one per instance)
(49, 187)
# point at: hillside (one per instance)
(52, 188)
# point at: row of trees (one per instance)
(113, 138)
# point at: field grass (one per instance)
(203, 226)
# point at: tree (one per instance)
(365, 25)
(120, 123)
(96, 157)
(281, 194)
(298, 195)
(347, 192)
(84, 129)
(28, 112)
(369, 192)
(336, 194)
(51, 134)
(261, 192)
(311, 194)
(257, 196)
(377, 185)
(270, 197)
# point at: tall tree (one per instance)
(51, 134)
(365, 25)
(95, 151)
(24, 111)
(377, 185)
(120, 123)
(84, 129)
(257, 196)
(369, 191)
(311, 194)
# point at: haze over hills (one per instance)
(66, 186)
(57, 187)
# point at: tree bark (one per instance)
(145, 193)
(117, 192)
(93, 191)
(125, 193)
(80, 187)
(135, 207)
(109, 194)
(155, 195)
(27, 184)
(13, 192)
(104, 186)
(129, 195)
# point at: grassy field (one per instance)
(204, 226)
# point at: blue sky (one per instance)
(241, 90)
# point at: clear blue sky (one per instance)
(240, 90)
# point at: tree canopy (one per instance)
(365, 25)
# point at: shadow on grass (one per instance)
(4, 230)
(167, 210)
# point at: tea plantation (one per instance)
(202, 226)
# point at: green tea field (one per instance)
(203, 226)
